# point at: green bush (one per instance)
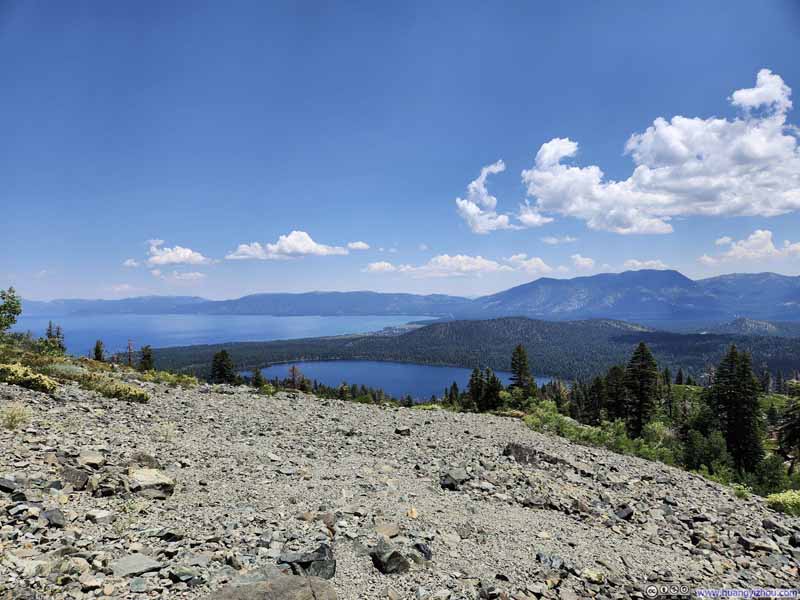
(113, 389)
(786, 502)
(171, 379)
(17, 374)
(545, 417)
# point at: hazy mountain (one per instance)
(647, 295)
(147, 305)
(336, 303)
(663, 298)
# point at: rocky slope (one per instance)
(219, 493)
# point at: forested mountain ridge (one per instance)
(566, 349)
(663, 298)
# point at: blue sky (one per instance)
(191, 140)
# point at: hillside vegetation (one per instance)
(568, 349)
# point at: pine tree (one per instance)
(744, 428)
(679, 377)
(10, 308)
(99, 351)
(520, 370)
(641, 380)
(222, 370)
(616, 394)
(596, 406)
(258, 380)
(789, 435)
(474, 390)
(295, 376)
(146, 359)
(453, 396)
(490, 400)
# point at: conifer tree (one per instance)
(10, 308)
(679, 377)
(596, 405)
(616, 394)
(475, 389)
(490, 399)
(641, 381)
(146, 359)
(222, 370)
(258, 380)
(744, 426)
(520, 370)
(99, 351)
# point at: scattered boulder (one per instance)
(404, 431)
(319, 563)
(134, 564)
(283, 587)
(151, 483)
(77, 478)
(388, 559)
(452, 479)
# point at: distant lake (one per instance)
(396, 379)
(81, 332)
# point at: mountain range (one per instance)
(660, 298)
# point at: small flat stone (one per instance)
(134, 564)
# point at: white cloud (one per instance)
(358, 246)
(191, 276)
(685, 166)
(173, 256)
(757, 246)
(130, 262)
(177, 275)
(534, 264)
(635, 264)
(555, 241)
(423, 247)
(380, 267)
(293, 245)
(443, 265)
(478, 208)
(583, 263)
(725, 240)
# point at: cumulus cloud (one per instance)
(294, 245)
(635, 264)
(534, 264)
(443, 265)
(555, 241)
(177, 275)
(130, 262)
(178, 255)
(583, 263)
(478, 208)
(380, 267)
(684, 166)
(759, 245)
(358, 246)
(724, 240)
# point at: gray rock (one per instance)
(319, 563)
(151, 483)
(77, 478)
(134, 564)
(452, 479)
(388, 559)
(283, 587)
(54, 518)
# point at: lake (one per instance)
(396, 379)
(82, 331)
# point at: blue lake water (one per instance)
(81, 332)
(396, 379)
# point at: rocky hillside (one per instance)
(219, 493)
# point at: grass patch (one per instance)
(167, 378)
(113, 389)
(14, 416)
